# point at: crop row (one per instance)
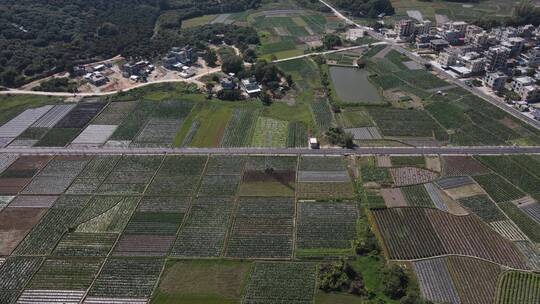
(405, 176)
(498, 188)
(435, 281)
(239, 129)
(519, 287)
(66, 273)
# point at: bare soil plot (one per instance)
(464, 192)
(20, 172)
(433, 163)
(475, 280)
(393, 197)
(384, 161)
(15, 223)
(263, 228)
(435, 281)
(268, 183)
(462, 165)
(81, 115)
(405, 176)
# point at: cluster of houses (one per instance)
(94, 75)
(180, 59)
(249, 86)
(137, 71)
(505, 59)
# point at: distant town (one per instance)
(503, 62)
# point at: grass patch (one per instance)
(58, 137)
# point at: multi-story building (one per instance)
(532, 57)
(404, 28)
(530, 93)
(514, 44)
(496, 58)
(438, 44)
(446, 59)
(495, 81)
(423, 27)
(459, 26)
(520, 82)
(472, 31)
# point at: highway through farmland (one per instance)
(442, 73)
(480, 150)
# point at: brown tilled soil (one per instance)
(433, 163)
(284, 177)
(145, 245)
(465, 191)
(15, 223)
(393, 197)
(384, 161)
(29, 163)
(461, 166)
(12, 185)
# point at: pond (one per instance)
(352, 85)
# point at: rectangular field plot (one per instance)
(21, 122)
(57, 221)
(81, 115)
(325, 225)
(158, 132)
(532, 210)
(417, 196)
(401, 122)
(131, 175)
(325, 190)
(297, 136)
(365, 133)
(508, 229)
(531, 252)
(6, 160)
(220, 185)
(405, 176)
(15, 273)
(144, 245)
(462, 165)
(519, 287)
(281, 283)
(85, 244)
(20, 172)
(203, 281)
(56, 177)
(115, 112)
(94, 135)
(127, 277)
(435, 281)
(454, 182)
(225, 165)
(53, 116)
(106, 214)
(15, 223)
(30, 296)
(160, 223)
(205, 229)
(65, 274)
(263, 228)
(498, 188)
(39, 201)
(179, 175)
(270, 133)
(530, 227)
(323, 176)
(482, 206)
(474, 279)
(240, 128)
(322, 163)
(270, 182)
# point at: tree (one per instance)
(250, 55)
(330, 41)
(348, 140)
(395, 281)
(232, 64)
(9, 77)
(230, 95)
(289, 79)
(265, 98)
(107, 29)
(209, 88)
(210, 57)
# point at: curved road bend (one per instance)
(517, 114)
(490, 150)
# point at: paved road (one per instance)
(331, 51)
(517, 114)
(493, 150)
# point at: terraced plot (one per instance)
(518, 287)
(204, 231)
(127, 278)
(263, 228)
(435, 281)
(412, 233)
(281, 283)
(474, 279)
(325, 225)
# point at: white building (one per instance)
(404, 28)
(532, 58)
(520, 82)
(354, 33)
(529, 93)
(447, 58)
(495, 81)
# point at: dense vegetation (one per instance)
(366, 8)
(40, 38)
(525, 12)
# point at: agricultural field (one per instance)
(518, 287)
(100, 239)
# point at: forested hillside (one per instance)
(365, 8)
(38, 37)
